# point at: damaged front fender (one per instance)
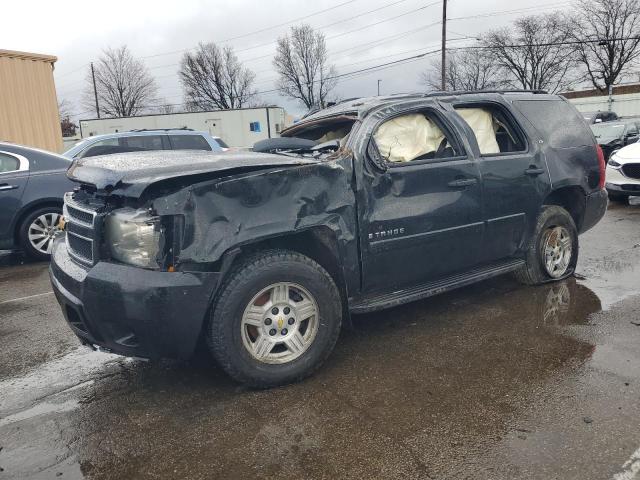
(223, 214)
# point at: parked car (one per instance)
(32, 184)
(599, 117)
(142, 140)
(612, 136)
(623, 173)
(366, 205)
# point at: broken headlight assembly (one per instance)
(134, 237)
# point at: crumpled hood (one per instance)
(131, 173)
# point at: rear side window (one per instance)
(221, 142)
(189, 142)
(8, 163)
(558, 122)
(142, 142)
(495, 131)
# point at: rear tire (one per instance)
(552, 252)
(275, 320)
(37, 230)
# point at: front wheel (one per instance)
(276, 319)
(552, 253)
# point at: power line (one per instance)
(62, 75)
(259, 31)
(507, 12)
(323, 27)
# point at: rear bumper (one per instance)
(594, 210)
(129, 310)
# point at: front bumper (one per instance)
(132, 311)
(620, 184)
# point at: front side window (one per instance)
(101, 147)
(189, 142)
(494, 131)
(414, 136)
(8, 163)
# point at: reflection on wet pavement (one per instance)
(492, 381)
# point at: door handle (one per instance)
(6, 186)
(462, 182)
(534, 171)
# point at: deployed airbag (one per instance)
(407, 137)
(481, 122)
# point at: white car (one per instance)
(623, 173)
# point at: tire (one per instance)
(617, 197)
(243, 319)
(552, 220)
(40, 221)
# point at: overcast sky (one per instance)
(158, 32)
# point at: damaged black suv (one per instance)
(262, 256)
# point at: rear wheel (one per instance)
(276, 319)
(37, 231)
(552, 253)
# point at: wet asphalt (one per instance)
(493, 381)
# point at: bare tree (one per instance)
(123, 83)
(302, 65)
(166, 108)
(536, 52)
(65, 108)
(65, 111)
(612, 31)
(466, 70)
(213, 77)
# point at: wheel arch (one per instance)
(29, 208)
(573, 199)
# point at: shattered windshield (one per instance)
(312, 138)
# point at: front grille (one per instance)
(631, 170)
(82, 231)
(80, 215)
(81, 247)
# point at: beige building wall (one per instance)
(28, 102)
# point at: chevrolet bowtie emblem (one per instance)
(280, 322)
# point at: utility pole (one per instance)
(379, 87)
(95, 90)
(443, 70)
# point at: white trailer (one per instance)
(240, 127)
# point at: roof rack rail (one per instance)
(160, 129)
(473, 92)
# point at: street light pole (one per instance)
(443, 85)
(379, 87)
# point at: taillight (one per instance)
(602, 165)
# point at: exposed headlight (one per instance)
(133, 237)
